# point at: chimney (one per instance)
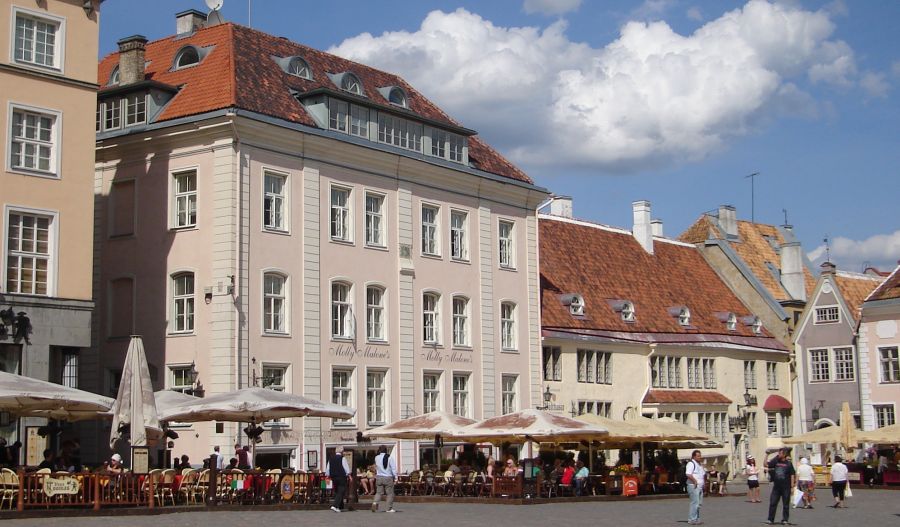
(187, 22)
(728, 220)
(561, 206)
(656, 227)
(792, 270)
(131, 59)
(828, 268)
(641, 229)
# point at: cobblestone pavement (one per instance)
(868, 507)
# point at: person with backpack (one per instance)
(784, 479)
(696, 479)
(339, 472)
(385, 476)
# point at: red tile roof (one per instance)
(606, 266)
(239, 72)
(889, 289)
(854, 288)
(685, 397)
(776, 403)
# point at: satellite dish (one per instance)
(214, 5)
(213, 18)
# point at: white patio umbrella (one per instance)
(886, 435)
(135, 406)
(531, 425)
(166, 399)
(424, 426)
(28, 397)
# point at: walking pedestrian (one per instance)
(385, 476)
(838, 482)
(752, 473)
(806, 483)
(784, 479)
(339, 472)
(696, 479)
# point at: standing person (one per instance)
(220, 460)
(339, 472)
(752, 473)
(385, 476)
(784, 479)
(838, 482)
(696, 479)
(806, 482)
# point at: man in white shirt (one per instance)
(220, 459)
(385, 476)
(838, 481)
(696, 478)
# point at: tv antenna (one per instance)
(785, 217)
(214, 18)
(827, 248)
(753, 196)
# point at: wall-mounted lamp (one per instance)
(207, 296)
(817, 411)
(196, 385)
(547, 396)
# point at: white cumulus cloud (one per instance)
(875, 84)
(880, 250)
(551, 7)
(649, 97)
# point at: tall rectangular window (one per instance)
(604, 368)
(112, 114)
(508, 389)
(460, 321)
(375, 220)
(181, 380)
(28, 253)
(430, 240)
(772, 375)
(818, 365)
(709, 374)
(890, 364)
(183, 302)
(70, 369)
(375, 314)
(693, 373)
(459, 243)
(461, 394)
(430, 318)
(431, 392)
(337, 115)
(342, 392)
(135, 109)
(438, 143)
(185, 206)
(359, 121)
(341, 312)
(275, 378)
(36, 41)
(375, 400)
(751, 424)
(884, 415)
(274, 300)
(274, 202)
(844, 369)
(828, 315)
(749, 374)
(786, 428)
(340, 214)
(508, 325)
(507, 247)
(582, 364)
(552, 363)
(34, 141)
(399, 132)
(772, 424)
(665, 372)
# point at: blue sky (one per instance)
(674, 101)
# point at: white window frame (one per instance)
(465, 394)
(508, 327)
(893, 375)
(431, 397)
(814, 375)
(341, 311)
(376, 236)
(183, 305)
(844, 368)
(506, 244)
(752, 425)
(826, 311)
(430, 244)
(138, 101)
(551, 367)
(604, 366)
(380, 334)
(283, 422)
(350, 400)
(270, 300)
(667, 370)
(772, 375)
(879, 408)
(461, 325)
(112, 113)
(459, 236)
(171, 378)
(188, 197)
(509, 393)
(340, 217)
(69, 374)
(749, 374)
(431, 318)
(52, 244)
(55, 143)
(374, 391)
(59, 55)
(274, 198)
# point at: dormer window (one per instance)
(398, 97)
(756, 326)
(627, 312)
(577, 305)
(188, 56)
(731, 322)
(684, 317)
(298, 67)
(114, 77)
(351, 83)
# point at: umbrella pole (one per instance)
(253, 446)
(591, 456)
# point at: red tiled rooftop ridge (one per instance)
(239, 72)
(854, 289)
(685, 397)
(889, 289)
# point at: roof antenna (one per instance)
(785, 217)
(752, 196)
(827, 248)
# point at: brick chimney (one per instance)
(642, 231)
(187, 22)
(828, 268)
(656, 227)
(561, 206)
(131, 59)
(728, 220)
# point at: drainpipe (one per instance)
(649, 377)
(236, 278)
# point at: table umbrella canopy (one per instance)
(886, 435)
(253, 405)
(424, 426)
(644, 430)
(166, 399)
(531, 425)
(845, 435)
(29, 397)
(135, 406)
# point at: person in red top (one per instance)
(568, 474)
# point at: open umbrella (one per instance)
(166, 399)
(424, 426)
(135, 407)
(28, 397)
(822, 436)
(886, 435)
(644, 430)
(531, 425)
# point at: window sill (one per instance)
(888, 382)
(343, 426)
(509, 350)
(339, 241)
(463, 347)
(177, 334)
(33, 173)
(461, 260)
(276, 334)
(431, 256)
(184, 228)
(382, 248)
(377, 342)
(336, 338)
(280, 232)
(432, 345)
(129, 236)
(276, 426)
(509, 268)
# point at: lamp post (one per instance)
(548, 396)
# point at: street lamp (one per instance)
(548, 396)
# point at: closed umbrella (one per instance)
(28, 397)
(848, 428)
(135, 407)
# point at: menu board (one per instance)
(34, 446)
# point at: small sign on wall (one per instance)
(34, 446)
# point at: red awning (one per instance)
(776, 403)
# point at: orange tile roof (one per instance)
(685, 397)
(606, 265)
(239, 72)
(855, 288)
(753, 248)
(889, 289)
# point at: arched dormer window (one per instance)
(628, 314)
(756, 326)
(351, 83)
(398, 97)
(684, 317)
(731, 322)
(114, 76)
(574, 302)
(187, 56)
(298, 67)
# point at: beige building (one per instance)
(48, 72)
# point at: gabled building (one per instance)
(828, 369)
(271, 214)
(634, 323)
(879, 359)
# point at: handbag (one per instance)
(847, 492)
(796, 497)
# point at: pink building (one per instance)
(271, 214)
(879, 340)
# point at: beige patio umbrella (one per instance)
(886, 435)
(846, 435)
(531, 425)
(29, 397)
(848, 428)
(135, 406)
(166, 399)
(425, 426)
(642, 429)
